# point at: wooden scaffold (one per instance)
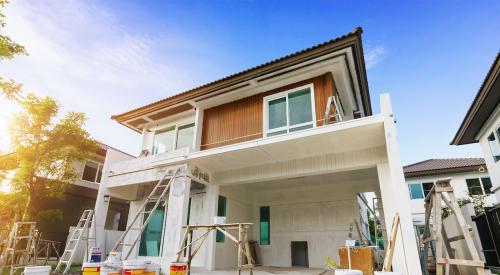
(191, 247)
(441, 192)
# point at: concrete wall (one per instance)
(493, 167)
(459, 188)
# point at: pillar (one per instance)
(211, 212)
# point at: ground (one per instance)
(264, 271)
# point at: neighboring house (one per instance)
(468, 177)
(482, 124)
(255, 147)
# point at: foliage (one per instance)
(8, 48)
(479, 202)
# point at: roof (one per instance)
(439, 166)
(483, 106)
(352, 39)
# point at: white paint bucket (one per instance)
(134, 267)
(37, 270)
(348, 272)
(151, 269)
(387, 273)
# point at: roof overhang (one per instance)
(443, 171)
(182, 102)
(483, 106)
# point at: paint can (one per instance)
(37, 270)
(95, 255)
(178, 268)
(151, 269)
(133, 267)
(91, 268)
(348, 272)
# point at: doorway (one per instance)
(299, 254)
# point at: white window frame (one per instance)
(497, 139)
(285, 95)
(176, 133)
(99, 166)
(480, 183)
(421, 188)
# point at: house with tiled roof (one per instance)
(469, 177)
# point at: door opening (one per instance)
(299, 254)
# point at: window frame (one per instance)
(421, 190)
(176, 127)
(496, 143)
(480, 184)
(100, 166)
(285, 94)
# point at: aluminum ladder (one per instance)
(86, 221)
(20, 246)
(157, 195)
(334, 104)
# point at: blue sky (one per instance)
(106, 57)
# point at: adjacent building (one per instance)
(287, 145)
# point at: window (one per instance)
(152, 235)
(221, 212)
(265, 228)
(427, 186)
(494, 147)
(416, 191)
(289, 111)
(185, 136)
(479, 186)
(92, 171)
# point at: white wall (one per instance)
(493, 167)
(459, 188)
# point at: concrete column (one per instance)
(396, 198)
(211, 211)
(177, 209)
(198, 129)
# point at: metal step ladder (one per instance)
(83, 226)
(333, 104)
(20, 246)
(157, 195)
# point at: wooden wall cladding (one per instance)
(242, 120)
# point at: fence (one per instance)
(488, 225)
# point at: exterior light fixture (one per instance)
(106, 198)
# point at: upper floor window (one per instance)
(173, 137)
(479, 186)
(92, 171)
(494, 146)
(289, 111)
(416, 191)
(427, 186)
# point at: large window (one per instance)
(173, 137)
(152, 235)
(416, 191)
(221, 212)
(265, 228)
(92, 171)
(494, 146)
(289, 111)
(479, 186)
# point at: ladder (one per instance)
(20, 246)
(157, 195)
(333, 103)
(85, 222)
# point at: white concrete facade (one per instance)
(492, 126)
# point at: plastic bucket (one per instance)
(151, 269)
(37, 270)
(348, 272)
(91, 268)
(387, 273)
(111, 268)
(178, 268)
(134, 267)
(95, 255)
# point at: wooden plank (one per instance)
(449, 250)
(460, 262)
(438, 244)
(392, 242)
(362, 258)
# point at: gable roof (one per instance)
(352, 39)
(483, 106)
(438, 166)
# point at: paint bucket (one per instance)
(37, 270)
(114, 257)
(111, 268)
(348, 272)
(91, 268)
(95, 255)
(151, 269)
(387, 273)
(178, 268)
(133, 267)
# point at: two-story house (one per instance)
(286, 145)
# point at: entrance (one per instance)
(299, 254)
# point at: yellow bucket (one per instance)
(91, 268)
(178, 268)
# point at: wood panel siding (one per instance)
(242, 120)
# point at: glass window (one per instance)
(416, 191)
(265, 228)
(427, 186)
(474, 186)
(164, 140)
(221, 212)
(91, 170)
(289, 113)
(151, 236)
(185, 136)
(486, 185)
(494, 147)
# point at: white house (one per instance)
(256, 147)
(482, 124)
(469, 177)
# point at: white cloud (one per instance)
(82, 56)
(373, 56)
